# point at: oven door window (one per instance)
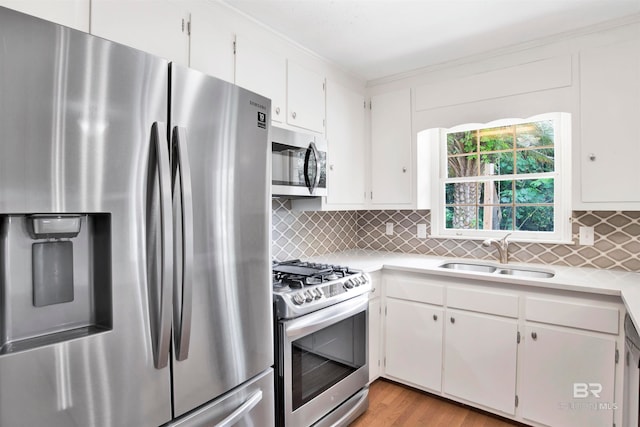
(324, 358)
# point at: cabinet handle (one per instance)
(277, 111)
(404, 170)
(592, 157)
(330, 167)
(293, 114)
(435, 317)
(534, 335)
(453, 320)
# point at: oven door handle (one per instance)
(320, 319)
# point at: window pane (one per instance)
(535, 161)
(461, 217)
(496, 163)
(531, 191)
(506, 218)
(495, 217)
(534, 134)
(495, 139)
(461, 142)
(534, 218)
(463, 166)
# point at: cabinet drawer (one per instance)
(572, 314)
(415, 290)
(498, 303)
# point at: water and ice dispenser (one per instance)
(55, 278)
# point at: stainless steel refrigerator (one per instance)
(134, 238)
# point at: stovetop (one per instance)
(303, 287)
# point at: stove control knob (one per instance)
(308, 296)
(298, 299)
(317, 294)
(363, 280)
(348, 284)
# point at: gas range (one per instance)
(301, 287)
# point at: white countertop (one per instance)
(578, 279)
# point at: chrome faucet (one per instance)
(502, 246)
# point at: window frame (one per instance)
(561, 175)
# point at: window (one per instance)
(505, 176)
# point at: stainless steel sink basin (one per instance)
(487, 268)
(478, 268)
(538, 274)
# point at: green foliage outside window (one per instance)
(500, 178)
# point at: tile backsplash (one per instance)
(305, 234)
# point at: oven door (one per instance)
(324, 357)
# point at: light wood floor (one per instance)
(392, 404)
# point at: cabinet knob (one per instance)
(404, 170)
(453, 320)
(534, 335)
(435, 317)
(293, 114)
(592, 157)
(277, 110)
(330, 167)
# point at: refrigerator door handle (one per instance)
(163, 338)
(242, 410)
(183, 280)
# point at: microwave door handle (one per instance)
(163, 327)
(183, 279)
(312, 150)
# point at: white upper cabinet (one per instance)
(305, 98)
(263, 71)
(159, 27)
(297, 94)
(346, 146)
(610, 111)
(71, 13)
(211, 42)
(391, 160)
(346, 153)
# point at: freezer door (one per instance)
(77, 117)
(249, 405)
(228, 321)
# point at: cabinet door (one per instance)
(480, 359)
(346, 146)
(374, 339)
(71, 13)
(391, 148)
(158, 27)
(413, 337)
(610, 111)
(262, 71)
(305, 98)
(562, 373)
(211, 42)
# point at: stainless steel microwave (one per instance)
(298, 164)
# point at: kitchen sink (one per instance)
(537, 274)
(478, 268)
(508, 271)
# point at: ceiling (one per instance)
(378, 38)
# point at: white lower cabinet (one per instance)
(480, 354)
(567, 377)
(375, 327)
(374, 339)
(542, 357)
(413, 349)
